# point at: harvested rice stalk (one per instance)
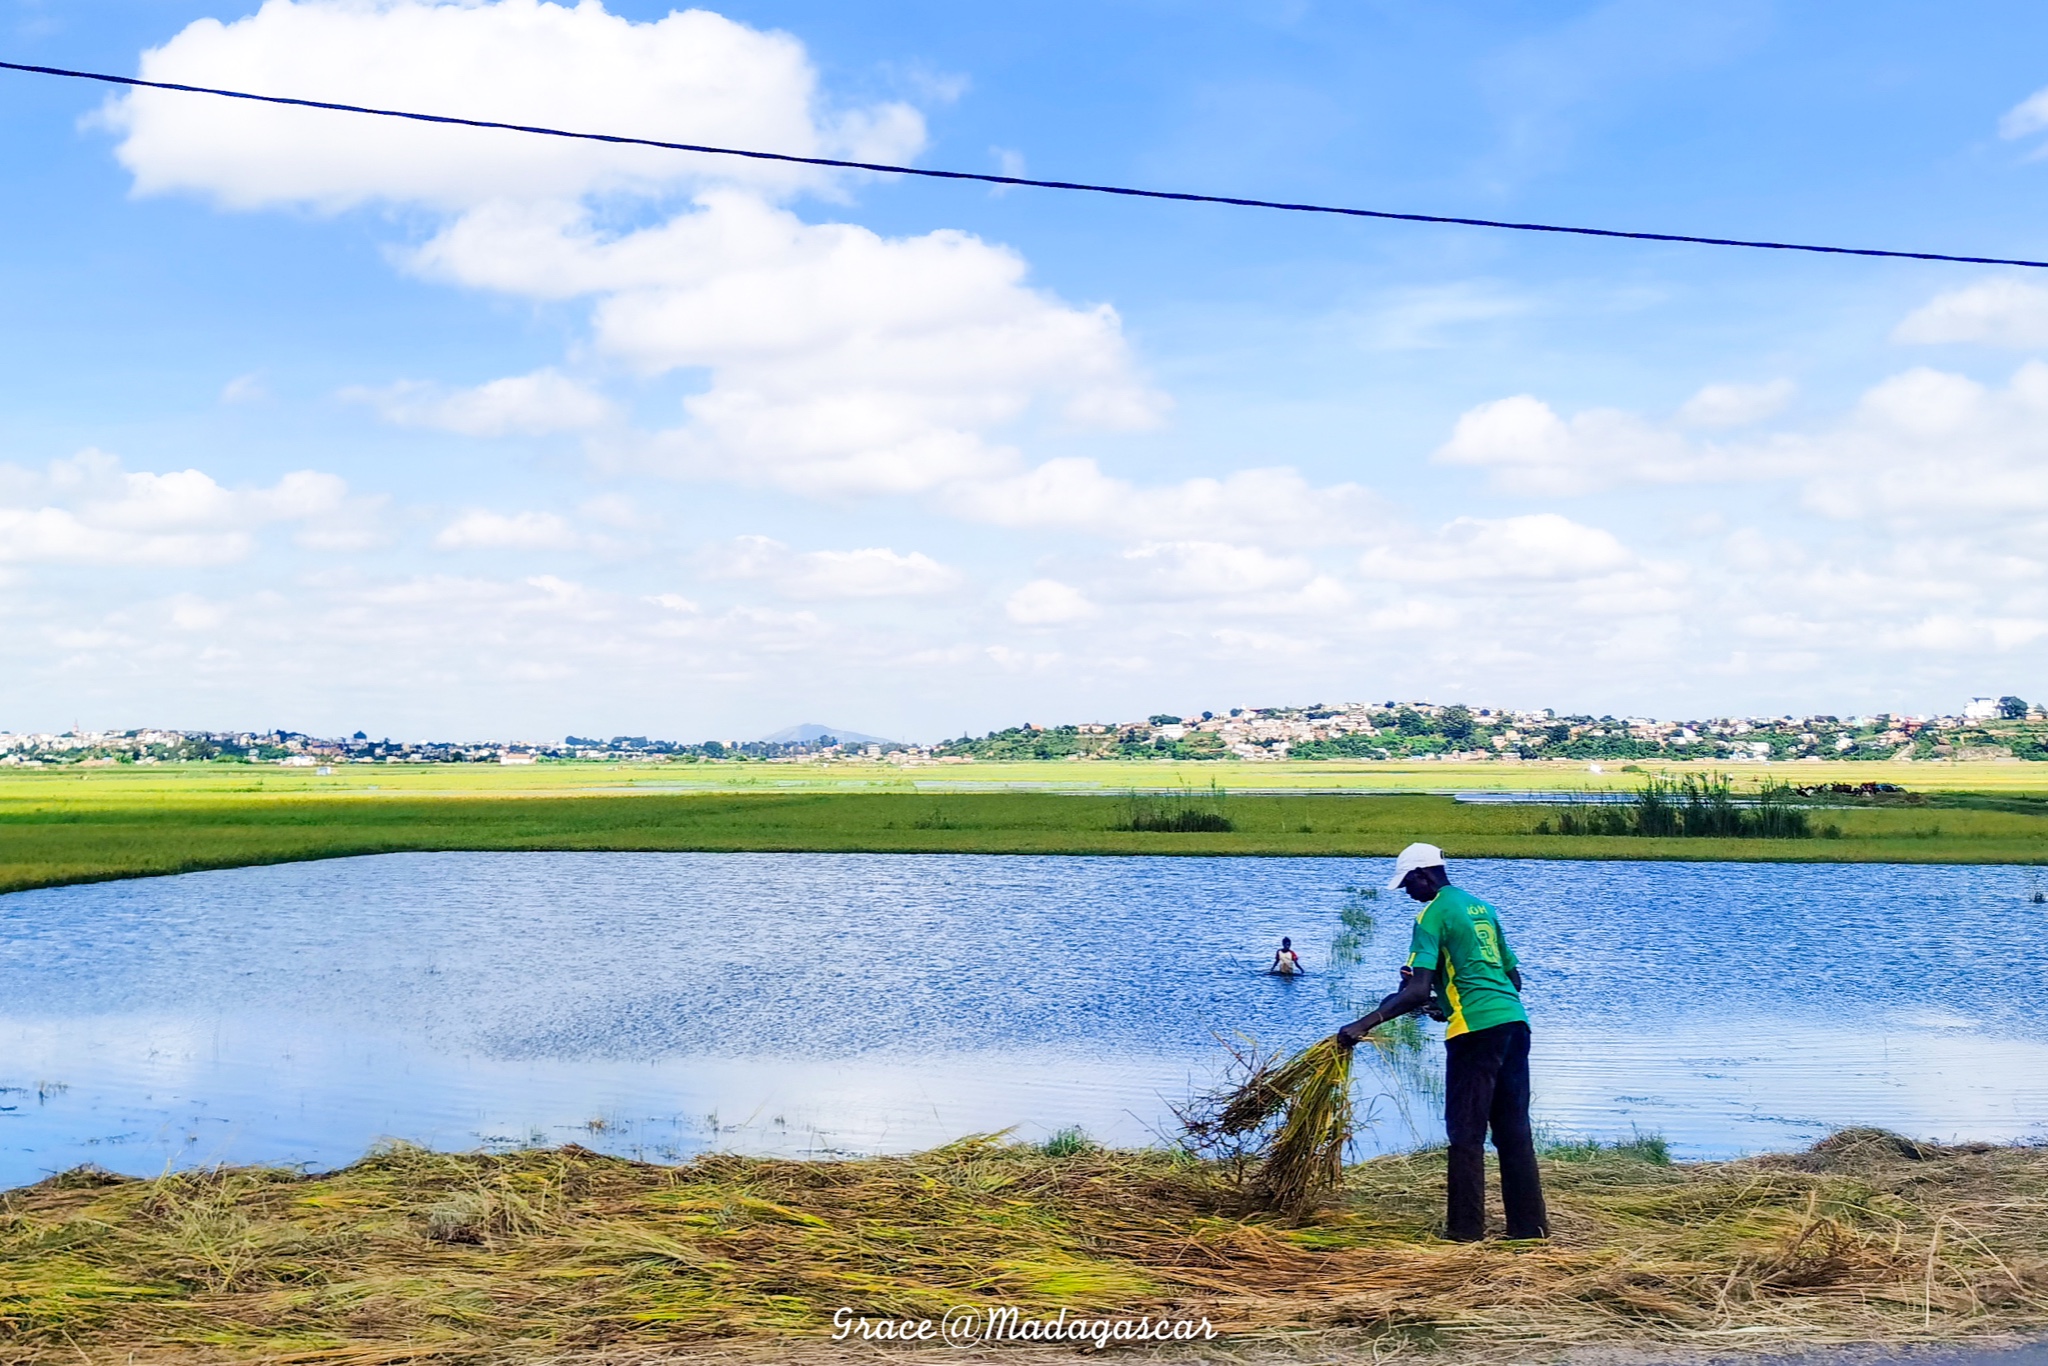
(1292, 1118)
(1306, 1159)
(738, 1261)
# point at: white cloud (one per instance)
(1530, 449)
(1199, 579)
(620, 512)
(244, 389)
(1014, 661)
(1420, 318)
(1950, 635)
(1532, 593)
(840, 361)
(1269, 506)
(2030, 115)
(1210, 569)
(826, 358)
(539, 404)
(693, 76)
(1538, 548)
(1736, 405)
(1930, 448)
(355, 523)
(58, 535)
(189, 612)
(1048, 602)
(1922, 447)
(874, 572)
(480, 530)
(1913, 597)
(302, 495)
(1938, 485)
(1995, 312)
(88, 510)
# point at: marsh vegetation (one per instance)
(1186, 812)
(80, 831)
(1694, 806)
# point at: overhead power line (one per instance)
(1127, 191)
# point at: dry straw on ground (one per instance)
(564, 1254)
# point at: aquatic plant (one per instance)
(1071, 1141)
(1347, 953)
(1347, 947)
(1403, 1056)
(1357, 913)
(1406, 1054)
(935, 818)
(1691, 807)
(1183, 812)
(1645, 1148)
(1639, 1147)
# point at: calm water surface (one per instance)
(662, 1004)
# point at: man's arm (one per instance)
(1413, 995)
(1515, 976)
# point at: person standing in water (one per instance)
(1286, 962)
(1458, 939)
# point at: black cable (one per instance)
(1124, 190)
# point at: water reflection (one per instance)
(661, 1004)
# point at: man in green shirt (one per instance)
(1458, 946)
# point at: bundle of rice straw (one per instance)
(1293, 1118)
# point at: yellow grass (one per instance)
(1289, 1118)
(128, 782)
(546, 1255)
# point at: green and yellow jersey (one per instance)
(1458, 937)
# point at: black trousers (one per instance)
(1486, 1085)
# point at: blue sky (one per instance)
(331, 425)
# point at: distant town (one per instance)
(1986, 728)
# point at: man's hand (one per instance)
(1413, 995)
(1353, 1034)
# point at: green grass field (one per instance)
(83, 826)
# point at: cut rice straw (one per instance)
(564, 1255)
(1291, 1118)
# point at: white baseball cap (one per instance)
(1413, 857)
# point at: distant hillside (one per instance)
(810, 732)
(2001, 728)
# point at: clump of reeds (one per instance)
(1185, 812)
(1691, 807)
(1288, 1120)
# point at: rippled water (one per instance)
(660, 1004)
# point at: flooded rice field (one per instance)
(659, 1005)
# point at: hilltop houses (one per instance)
(2004, 728)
